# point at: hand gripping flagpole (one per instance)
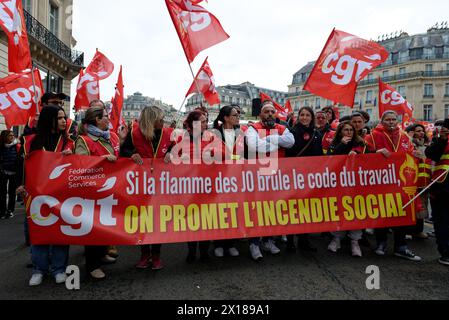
(427, 188)
(35, 91)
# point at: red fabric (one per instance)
(282, 112)
(206, 84)
(327, 139)
(96, 148)
(115, 203)
(13, 24)
(100, 67)
(398, 141)
(264, 132)
(17, 97)
(117, 104)
(197, 28)
(345, 60)
(88, 89)
(28, 140)
(145, 148)
(390, 99)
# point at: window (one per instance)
(416, 54)
(429, 67)
(27, 5)
(369, 96)
(402, 71)
(385, 74)
(317, 103)
(54, 19)
(428, 90)
(306, 103)
(401, 90)
(297, 105)
(370, 77)
(395, 58)
(446, 111)
(428, 112)
(446, 90)
(439, 51)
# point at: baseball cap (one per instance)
(53, 95)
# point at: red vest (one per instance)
(145, 148)
(97, 148)
(28, 140)
(280, 128)
(442, 166)
(379, 139)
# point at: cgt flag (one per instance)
(390, 99)
(206, 84)
(197, 28)
(100, 67)
(18, 97)
(282, 112)
(345, 60)
(88, 89)
(13, 24)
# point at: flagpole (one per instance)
(427, 188)
(196, 83)
(35, 91)
(179, 112)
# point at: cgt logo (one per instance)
(76, 214)
(394, 98)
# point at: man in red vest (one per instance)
(388, 138)
(438, 151)
(267, 139)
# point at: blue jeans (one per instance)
(44, 257)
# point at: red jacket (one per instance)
(145, 148)
(396, 141)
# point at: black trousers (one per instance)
(440, 214)
(94, 254)
(151, 249)
(399, 236)
(204, 248)
(7, 189)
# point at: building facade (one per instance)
(242, 95)
(134, 104)
(418, 68)
(49, 27)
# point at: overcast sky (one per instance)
(269, 39)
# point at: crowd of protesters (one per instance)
(305, 134)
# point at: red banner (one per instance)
(197, 28)
(345, 60)
(18, 96)
(117, 104)
(87, 90)
(84, 200)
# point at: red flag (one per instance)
(88, 89)
(345, 60)
(206, 84)
(117, 103)
(17, 97)
(407, 121)
(390, 99)
(282, 112)
(100, 67)
(13, 24)
(197, 28)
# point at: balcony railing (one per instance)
(411, 75)
(36, 30)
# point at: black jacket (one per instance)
(302, 136)
(435, 151)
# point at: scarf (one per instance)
(96, 132)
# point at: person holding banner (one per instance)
(51, 136)
(148, 139)
(438, 151)
(193, 147)
(387, 138)
(9, 150)
(308, 143)
(233, 138)
(269, 140)
(96, 140)
(347, 142)
(421, 141)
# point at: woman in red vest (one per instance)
(148, 139)
(232, 136)
(388, 138)
(50, 136)
(96, 140)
